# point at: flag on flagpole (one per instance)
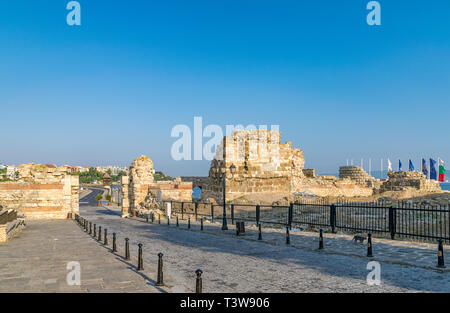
(441, 165)
(399, 165)
(433, 173)
(389, 165)
(411, 166)
(424, 168)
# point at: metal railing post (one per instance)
(258, 213)
(232, 214)
(333, 218)
(196, 210)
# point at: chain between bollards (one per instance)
(198, 281)
(114, 247)
(160, 279)
(288, 237)
(259, 232)
(369, 245)
(321, 239)
(127, 249)
(441, 263)
(140, 258)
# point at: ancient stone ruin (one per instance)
(140, 192)
(265, 165)
(41, 192)
(404, 181)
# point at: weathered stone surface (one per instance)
(41, 192)
(140, 192)
(404, 180)
(264, 164)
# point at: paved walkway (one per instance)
(243, 264)
(409, 253)
(36, 261)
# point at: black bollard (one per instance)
(159, 218)
(321, 239)
(198, 281)
(160, 280)
(168, 220)
(114, 243)
(177, 222)
(441, 263)
(95, 230)
(201, 223)
(140, 258)
(153, 217)
(259, 232)
(105, 240)
(288, 238)
(369, 245)
(90, 228)
(99, 233)
(127, 249)
(189, 222)
(146, 218)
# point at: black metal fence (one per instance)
(394, 220)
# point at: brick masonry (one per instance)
(41, 192)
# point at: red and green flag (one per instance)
(441, 170)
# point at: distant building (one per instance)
(85, 169)
(11, 172)
(51, 165)
(71, 169)
(115, 170)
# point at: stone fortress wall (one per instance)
(405, 180)
(41, 192)
(263, 165)
(139, 187)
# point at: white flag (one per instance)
(389, 165)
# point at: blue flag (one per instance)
(399, 165)
(411, 166)
(424, 168)
(433, 173)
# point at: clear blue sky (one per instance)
(112, 89)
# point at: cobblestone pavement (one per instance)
(409, 253)
(36, 261)
(243, 264)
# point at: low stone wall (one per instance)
(357, 174)
(403, 180)
(10, 225)
(41, 193)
